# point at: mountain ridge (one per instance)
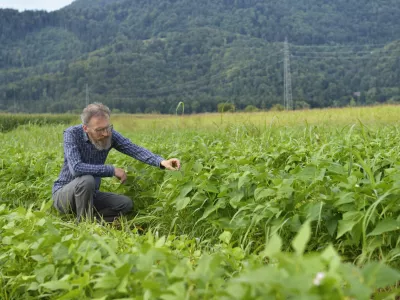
(127, 50)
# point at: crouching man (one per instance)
(86, 147)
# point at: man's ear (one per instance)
(85, 128)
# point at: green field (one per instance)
(273, 205)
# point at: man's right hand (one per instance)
(120, 174)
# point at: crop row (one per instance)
(9, 122)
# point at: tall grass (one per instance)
(378, 115)
(9, 122)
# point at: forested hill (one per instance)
(147, 56)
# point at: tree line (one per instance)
(147, 56)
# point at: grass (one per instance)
(376, 115)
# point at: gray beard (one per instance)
(102, 145)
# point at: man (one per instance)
(86, 148)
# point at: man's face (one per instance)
(99, 131)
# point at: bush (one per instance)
(302, 105)
(251, 108)
(226, 107)
(9, 122)
(277, 107)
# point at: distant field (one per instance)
(273, 205)
(388, 114)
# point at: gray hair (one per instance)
(95, 109)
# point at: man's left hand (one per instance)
(172, 164)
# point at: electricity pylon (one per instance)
(287, 101)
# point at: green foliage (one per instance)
(226, 107)
(43, 256)
(302, 105)
(147, 56)
(9, 122)
(255, 212)
(277, 107)
(251, 108)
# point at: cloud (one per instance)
(48, 5)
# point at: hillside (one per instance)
(145, 56)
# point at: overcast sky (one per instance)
(48, 5)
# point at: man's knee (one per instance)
(87, 182)
(126, 205)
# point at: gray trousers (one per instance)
(79, 197)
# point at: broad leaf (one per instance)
(300, 241)
(385, 226)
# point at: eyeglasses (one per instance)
(107, 129)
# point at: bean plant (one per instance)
(256, 212)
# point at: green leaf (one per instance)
(345, 226)
(211, 188)
(82, 281)
(258, 276)
(9, 225)
(243, 179)
(273, 246)
(7, 240)
(179, 271)
(160, 242)
(34, 286)
(186, 189)
(309, 173)
(107, 281)
(300, 241)
(385, 226)
(197, 167)
(225, 237)
(123, 270)
(74, 294)
(285, 190)
(209, 210)
(43, 273)
(209, 266)
(391, 294)
(60, 252)
(41, 222)
(236, 291)
(315, 211)
(176, 175)
(345, 198)
(378, 275)
(18, 231)
(56, 285)
(235, 199)
(330, 255)
(261, 193)
(181, 203)
(178, 290)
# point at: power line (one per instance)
(194, 84)
(341, 57)
(349, 52)
(181, 87)
(206, 82)
(340, 46)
